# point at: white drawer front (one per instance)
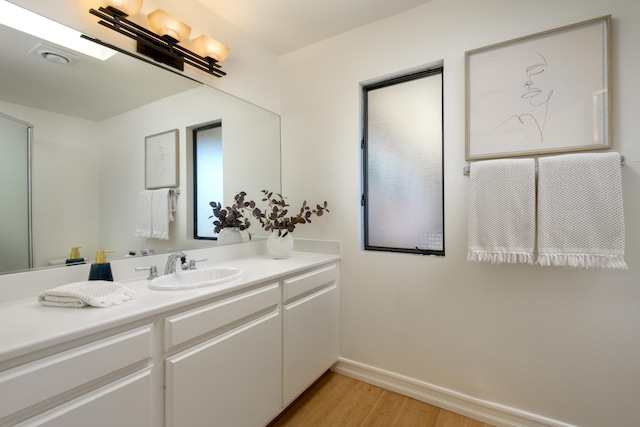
(34, 382)
(304, 284)
(185, 326)
(123, 403)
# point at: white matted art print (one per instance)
(540, 94)
(161, 160)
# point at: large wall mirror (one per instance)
(90, 119)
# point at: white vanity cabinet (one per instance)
(234, 376)
(83, 385)
(310, 328)
(235, 355)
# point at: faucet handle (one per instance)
(153, 271)
(192, 263)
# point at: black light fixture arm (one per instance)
(162, 49)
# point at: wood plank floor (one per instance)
(339, 401)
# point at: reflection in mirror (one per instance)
(208, 176)
(90, 119)
(15, 194)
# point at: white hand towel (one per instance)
(162, 208)
(501, 211)
(143, 214)
(580, 211)
(96, 293)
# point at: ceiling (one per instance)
(286, 25)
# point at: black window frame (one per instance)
(195, 179)
(364, 146)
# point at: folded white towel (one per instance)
(580, 211)
(162, 208)
(143, 214)
(501, 211)
(96, 293)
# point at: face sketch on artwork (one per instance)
(537, 96)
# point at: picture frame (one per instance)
(540, 94)
(161, 160)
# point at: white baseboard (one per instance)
(477, 409)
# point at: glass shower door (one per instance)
(15, 195)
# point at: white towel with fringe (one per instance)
(155, 210)
(580, 211)
(162, 208)
(143, 214)
(95, 293)
(501, 211)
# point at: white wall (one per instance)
(557, 343)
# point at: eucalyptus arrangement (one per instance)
(276, 216)
(234, 215)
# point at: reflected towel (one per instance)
(501, 215)
(143, 214)
(580, 211)
(162, 208)
(95, 293)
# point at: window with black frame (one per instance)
(403, 164)
(207, 177)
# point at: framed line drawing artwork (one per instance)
(541, 94)
(161, 160)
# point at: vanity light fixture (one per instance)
(166, 25)
(208, 47)
(124, 7)
(161, 44)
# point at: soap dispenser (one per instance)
(74, 256)
(101, 269)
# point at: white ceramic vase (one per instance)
(279, 247)
(229, 235)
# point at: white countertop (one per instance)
(27, 326)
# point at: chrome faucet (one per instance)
(171, 262)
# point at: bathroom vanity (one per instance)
(232, 355)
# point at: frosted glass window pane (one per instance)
(404, 200)
(208, 161)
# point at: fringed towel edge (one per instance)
(498, 257)
(582, 261)
(142, 233)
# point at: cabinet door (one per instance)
(123, 403)
(311, 339)
(232, 380)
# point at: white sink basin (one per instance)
(195, 278)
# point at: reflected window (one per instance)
(403, 178)
(207, 170)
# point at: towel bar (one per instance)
(466, 171)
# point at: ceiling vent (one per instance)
(54, 54)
